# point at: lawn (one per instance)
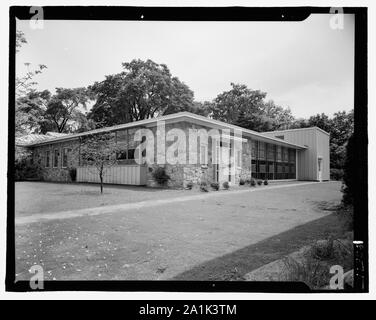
(43, 197)
(219, 237)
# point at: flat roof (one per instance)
(175, 117)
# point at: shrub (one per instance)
(215, 186)
(203, 187)
(242, 182)
(259, 182)
(253, 183)
(323, 249)
(347, 217)
(24, 170)
(266, 182)
(190, 185)
(73, 174)
(308, 271)
(226, 185)
(336, 174)
(160, 175)
(349, 174)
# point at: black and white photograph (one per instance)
(176, 150)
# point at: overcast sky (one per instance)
(304, 65)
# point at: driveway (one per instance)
(165, 240)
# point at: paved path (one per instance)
(147, 204)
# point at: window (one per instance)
(279, 153)
(262, 150)
(254, 149)
(131, 154)
(270, 152)
(56, 158)
(66, 152)
(121, 155)
(285, 154)
(292, 156)
(47, 164)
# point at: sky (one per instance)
(306, 66)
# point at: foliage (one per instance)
(189, 185)
(242, 182)
(349, 177)
(29, 103)
(99, 151)
(266, 182)
(30, 109)
(20, 39)
(143, 90)
(246, 108)
(336, 174)
(215, 186)
(226, 185)
(323, 249)
(24, 170)
(347, 217)
(160, 175)
(204, 187)
(73, 173)
(340, 127)
(253, 182)
(259, 182)
(66, 105)
(310, 272)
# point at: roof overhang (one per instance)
(172, 118)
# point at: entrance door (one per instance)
(319, 164)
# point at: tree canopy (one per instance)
(247, 108)
(144, 89)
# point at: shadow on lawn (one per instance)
(235, 265)
(105, 185)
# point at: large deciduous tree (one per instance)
(246, 108)
(66, 106)
(144, 89)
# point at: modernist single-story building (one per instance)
(300, 154)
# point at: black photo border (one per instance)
(198, 14)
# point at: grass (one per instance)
(216, 238)
(314, 268)
(234, 266)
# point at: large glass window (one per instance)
(279, 153)
(254, 149)
(261, 154)
(270, 152)
(272, 162)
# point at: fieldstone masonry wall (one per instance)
(180, 174)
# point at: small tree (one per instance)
(99, 151)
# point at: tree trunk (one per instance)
(101, 178)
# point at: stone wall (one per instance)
(58, 173)
(179, 173)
